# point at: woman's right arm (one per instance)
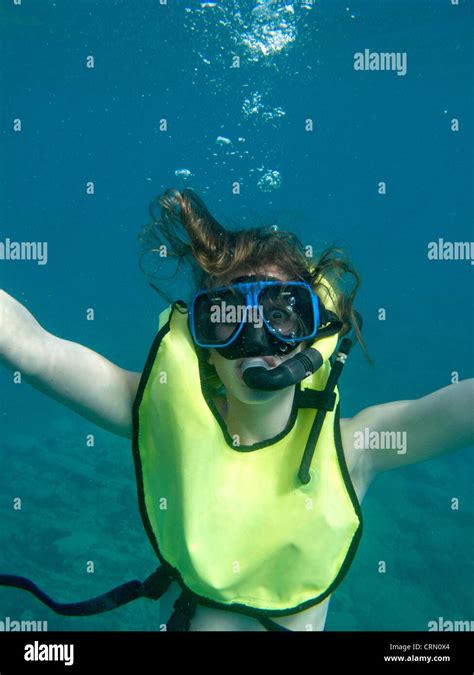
(66, 371)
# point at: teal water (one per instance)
(171, 61)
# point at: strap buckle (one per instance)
(321, 400)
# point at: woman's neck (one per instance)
(257, 422)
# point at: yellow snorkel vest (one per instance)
(234, 523)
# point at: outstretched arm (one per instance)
(404, 432)
(74, 375)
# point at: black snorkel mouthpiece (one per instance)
(290, 372)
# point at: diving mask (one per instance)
(252, 317)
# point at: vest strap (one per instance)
(153, 587)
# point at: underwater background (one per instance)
(155, 61)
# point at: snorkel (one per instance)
(260, 376)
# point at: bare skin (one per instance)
(104, 393)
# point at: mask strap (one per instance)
(330, 322)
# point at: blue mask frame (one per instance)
(251, 291)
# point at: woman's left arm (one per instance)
(404, 432)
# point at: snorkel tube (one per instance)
(290, 372)
(303, 364)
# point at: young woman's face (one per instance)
(229, 370)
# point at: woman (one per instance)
(256, 523)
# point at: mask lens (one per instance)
(218, 315)
(288, 309)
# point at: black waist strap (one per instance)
(153, 587)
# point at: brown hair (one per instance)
(191, 236)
